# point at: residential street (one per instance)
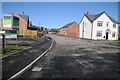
(77, 58)
(14, 63)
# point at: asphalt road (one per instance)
(77, 58)
(14, 63)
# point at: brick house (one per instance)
(23, 23)
(70, 30)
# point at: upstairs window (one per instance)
(113, 34)
(114, 25)
(100, 23)
(99, 33)
(107, 24)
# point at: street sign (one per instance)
(10, 34)
(2, 31)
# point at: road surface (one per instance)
(77, 58)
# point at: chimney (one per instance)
(87, 13)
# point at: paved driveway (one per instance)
(77, 58)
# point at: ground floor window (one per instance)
(99, 33)
(113, 34)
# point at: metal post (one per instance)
(3, 44)
(16, 42)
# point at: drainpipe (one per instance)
(92, 31)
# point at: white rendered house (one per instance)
(98, 27)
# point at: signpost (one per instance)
(7, 34)
(2, 34)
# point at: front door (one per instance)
(106, 35)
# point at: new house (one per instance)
(70, 30)
(98, 27)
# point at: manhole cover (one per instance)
(36, 69)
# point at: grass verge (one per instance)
(116, 42)
(12, 49)
(33, 37)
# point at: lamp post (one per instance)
(24, 24)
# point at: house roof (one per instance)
(93, 17)
(25, 17)
(67, 25)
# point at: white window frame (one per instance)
(99, 33)
(100, 23)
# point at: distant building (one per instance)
(70, 30)
(98, 27)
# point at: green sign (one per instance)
(2, 31)
(7, 21)
(10, 34)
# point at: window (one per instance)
(99, 23)
(107, 24)
(114, 25)
(99, 33)
(113, 34)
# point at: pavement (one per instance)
(77, 58)
(14, 63)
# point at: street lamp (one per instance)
(24, 23)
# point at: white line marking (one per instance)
(28, 66)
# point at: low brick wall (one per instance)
(27, 33)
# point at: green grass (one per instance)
(116, 42)
(12, 49)
(42, 37)
(33, 37)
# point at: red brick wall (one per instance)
(28, 32)
(73, 30)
